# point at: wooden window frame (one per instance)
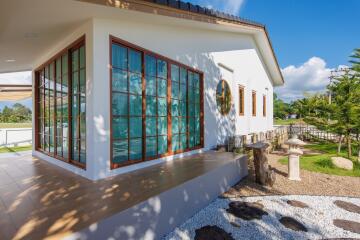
(253, 100)
(144, 52)
(264, 105)
(77, 44)
(241, 100)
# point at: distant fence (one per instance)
(10, 137)
(275, 137)
(311, 132)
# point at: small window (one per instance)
(254, 103)
(223, 97)
(264, 105)
(241, 101)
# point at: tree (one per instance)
(18, 113)
(281, 109)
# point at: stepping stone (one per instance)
(247, 211)
(347, 225)
(212, 233)
(348, 206)
(298, 204)
(292, 224)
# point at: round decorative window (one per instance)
(223, 97)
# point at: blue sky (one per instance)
(310, 38)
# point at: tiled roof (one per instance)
(186, 6)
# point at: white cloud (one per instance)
(312, 76)
(16, 78)
(228, 6)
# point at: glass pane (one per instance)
(119, 57)
(162, 107)
(59, 147)
(183, 142)
(75, 82)
(120, 128)
(135, 83)
(183, 92)
(162, 88)
(151, 86)
(197, 109)
(82, 57)
(191, 141)
(135, 127)
(183, 125)
(191, 124)
(190, 79)
(183, 76)
(120, 104)
(162, 126)
(135, 105)
(119, 80)
(175, 125)
(82, 81)
(65, 147)
(82, 125)
(135, 149)
(175, 73)
(162, 69)
(83, 151)
(191, 109)
(76, 149)
(175, 90)
(175, 143)
(150, 106)
(151, 149)
(120, 151)
(58, 68)
(197, 124)
(64, 64)
(65, 127)
(197, 95)
(174, 107)
(150, 126)
(182, 108)
(135, 61)
(65, 106)
(75, 60)
(162, 145)
(64, 85)
(196, 79)
(150, 66)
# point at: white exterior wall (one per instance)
(201, 49)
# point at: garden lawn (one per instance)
(15, 149)
(16, 125)
(287, 121)
(322, 163)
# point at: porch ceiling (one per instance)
(28, 29)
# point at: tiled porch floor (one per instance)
(42, 201)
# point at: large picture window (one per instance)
(60, 105)
(156, 108)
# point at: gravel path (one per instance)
(312, 184)
(318, 218)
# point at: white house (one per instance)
(121, 85)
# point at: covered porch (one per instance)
(42, 201)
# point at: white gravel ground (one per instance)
(318, 219)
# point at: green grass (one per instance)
(322, 163)
(15, 149)
(287, 121)
(16, 125)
